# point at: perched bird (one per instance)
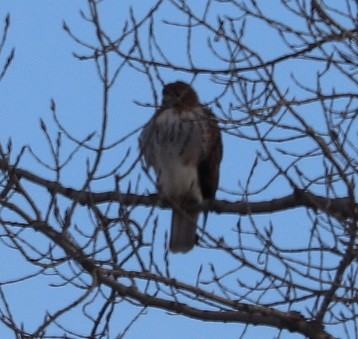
(182, 142)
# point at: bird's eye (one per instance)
(173, 93)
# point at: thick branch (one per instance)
(340, 208)
(241, 313)
(291, 321)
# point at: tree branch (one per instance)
(340, 208)
(241, 313)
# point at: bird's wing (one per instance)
(209, 165)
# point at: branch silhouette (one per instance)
(340, 208)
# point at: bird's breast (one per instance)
(178, 150)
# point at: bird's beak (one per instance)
(168, 100)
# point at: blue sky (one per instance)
(44, 69)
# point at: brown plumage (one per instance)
(182, 142)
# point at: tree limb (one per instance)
(340, 208)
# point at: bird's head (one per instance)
(179, 94)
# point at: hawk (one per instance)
(182, 142)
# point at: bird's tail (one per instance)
(183, 236)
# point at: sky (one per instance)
(45, 69)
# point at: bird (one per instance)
(182, 142)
